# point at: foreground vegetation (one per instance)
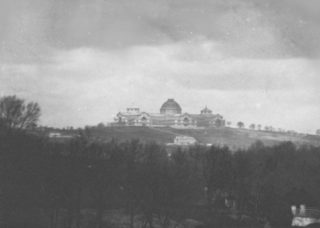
(83, 181)
(45, 183)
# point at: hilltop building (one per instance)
(170, 115)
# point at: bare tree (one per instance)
(15, 113)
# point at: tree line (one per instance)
(61, 179)
(73, 183)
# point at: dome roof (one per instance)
(170, 107)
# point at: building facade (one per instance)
(170, 115)
(184, 140)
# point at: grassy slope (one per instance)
(234, 138)
(144, 134)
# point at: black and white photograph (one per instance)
(159, 113)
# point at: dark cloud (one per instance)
(298, 23)
(29, 29)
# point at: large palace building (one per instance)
(170, 115)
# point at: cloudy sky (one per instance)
(83, 61)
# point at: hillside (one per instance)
(232, 137)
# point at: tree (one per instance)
(15, 113)
(217, 173)
(259, 127)
(242, 170)
(269, 128)
(252, 126)
(240, 124)
(318, 132)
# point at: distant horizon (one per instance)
(232, 125)
(84, 61)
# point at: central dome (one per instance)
(170, 107)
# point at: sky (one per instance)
(84, 61)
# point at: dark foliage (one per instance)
(50, 183)
(16, 113)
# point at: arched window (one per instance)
(144, 120)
